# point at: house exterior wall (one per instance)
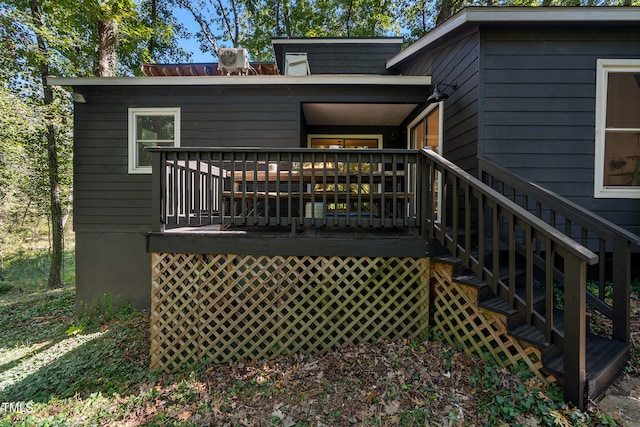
(112, 263)
(538, 91)
(455, 60)
(112, 208)
(342, 58)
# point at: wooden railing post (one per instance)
(575, 329)
(621, 289)
(425, 196)
(157, 220)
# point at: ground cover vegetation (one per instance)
(58, 368)
(93, 369)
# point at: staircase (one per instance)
(538, 260)
(605, 357)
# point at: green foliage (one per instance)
(508, 405)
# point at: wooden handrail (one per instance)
(611, 238)
(481, 188)
(505, 232)
(558, 203)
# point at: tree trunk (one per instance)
(154, 19)
(55, 269)
(446, 10)
(57, 250)
(107, 48)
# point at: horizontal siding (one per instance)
(108, 198)
(455, 61)
(539, 107)
(344, 58)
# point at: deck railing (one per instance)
(518, 255)
(284, 187)
(612, 243)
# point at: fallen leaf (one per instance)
(392, 407)
(371, 396)
(418, 402)
(183, 416)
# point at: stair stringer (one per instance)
(460, 322)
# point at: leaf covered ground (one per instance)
(59, 369)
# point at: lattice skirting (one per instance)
(459, 322)
(225, 307)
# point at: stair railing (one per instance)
(612, 243)
(462, 213)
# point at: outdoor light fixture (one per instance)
(438, 96)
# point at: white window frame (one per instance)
(604, 67)
(134, 168)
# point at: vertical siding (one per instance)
(538, 115)
(455, 61)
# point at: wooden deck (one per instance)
(313, 241)
(521, 255)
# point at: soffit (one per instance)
(332, 114)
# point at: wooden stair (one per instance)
(605, 357)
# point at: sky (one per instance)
(191, 45)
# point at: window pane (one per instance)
(419, 136)
(360, 143)
(152, 128)
(621, 159)
(144, 157)
(433, 129)
(623, 100)
(327, 143)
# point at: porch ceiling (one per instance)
(332, 114)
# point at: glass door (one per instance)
(426, 132)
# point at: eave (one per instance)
(518, 16)
(336, 80)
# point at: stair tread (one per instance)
(530, 334)
(466, 276)
(605, 360)
(497, 304)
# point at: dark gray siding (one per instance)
(112, 210)
(538, 118)
(343, 58)
(107, 198)
(455, 61)
(115, 264)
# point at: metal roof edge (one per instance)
(514, 15)
(335, 40)
(324, 79)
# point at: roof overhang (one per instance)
(518, 16)
(335, 80)
(338, 40)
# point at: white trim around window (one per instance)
(616, 129)
(139, 138)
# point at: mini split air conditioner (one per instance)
(231, 60)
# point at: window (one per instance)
(151, 127)
(344, 141)
(617, 150)
(427, 131)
